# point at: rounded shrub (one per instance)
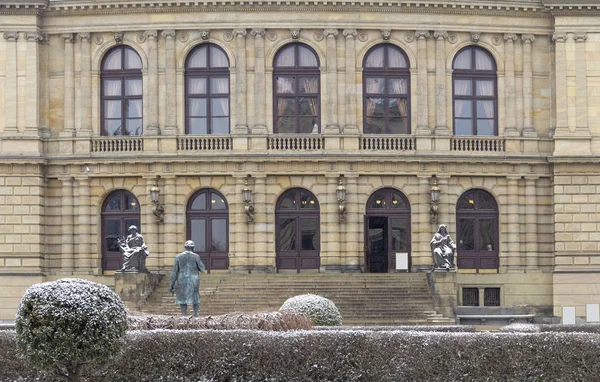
(320, 310)
(66, 324)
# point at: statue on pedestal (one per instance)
(185, 273)
(134, 251)
(442, 249)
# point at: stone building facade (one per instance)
(300, 113)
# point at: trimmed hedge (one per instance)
(343, 356)
(546, 328)
(321, 311)
(406, 328)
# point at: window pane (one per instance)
(463, 109)
(198, 58)
(197, 107)
(483, 61)
(309, 85)
(375, 86)
(486, 201)
(217, 202)
(397, 86)
(219, 125)
(397, 201)
(286, 56)
(114, 202)
(463, 127)
(485, 127)
(288, 202)
(398, 126)
(467, 202)
(285, 85)
(112, 88)
(198, 233)
(113, 60)
(285, 106)
(133, 87)
(307, 57)
(308, 229)
(463, 87)
(398, 107)
(112, 127)
(307, 202)
(287, 234)
(132, 59)
(134, 108)
(399, 234)
(375, 125)
(308, 106)
(219, 235)
(219, 86)
(375, 107)
(395, 58)
(112, 231)
(112, 109)
(197, 85)
(485, 109)
(487, 241)
(378, 202)
(219, 107)
(131, 203)
(218, 59)
(466, 235)
(463, 60)
(375, 58)
(485, 88)
(308, 125)
(198, 126)
(133, 126)
(286, 125)
(199, 202)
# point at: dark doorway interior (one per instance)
(378, 244)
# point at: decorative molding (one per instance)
(510, 37)
(330, 33)
(98, 39)
(84, 37)
(440, 35)
(228, 36)
(559, 37)
(184, 36)
(11, 36)
(140, 38)
(496, 40)
(409, 37)
(67, 37)
(580, 36)
(258, 32)
(44, 38)
(452, 38)
(32, 36)
(319, 36)
(239, 32)
(363, 36)
(295, 33)
(475, 36)
(528, 38)
(385, 34)
(272, 36)
(422, 35)
(151, 35)
(168, 33)
(349, 33)
(118, 36)
(204, 34)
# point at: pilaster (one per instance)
(66, 222)
(330, 254)
(260, 126)
(531, 222)
(85, 90)
(170, 226)
(32, 116)
(84, 262)
(421, 256)
(509, 85)
(149, 224)
(441, 127)
(239, 261)
(582, 127)
(514, 240)
(353, 235)
(10, 84)
(171, 83)
(241, 126)
(69, 87)
(261, 262)
(422, 101)
(351, 126)
(152, 127)
(528, 128)
(562, 126)
(332, 126)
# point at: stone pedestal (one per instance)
(443, 289)
(134, 287)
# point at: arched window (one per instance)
(120, 211)
(386, 84)
(477, 230)
(296, 90)
(207, 90)
(298, 230)
(387, 230)
(474, 92)
(208, 227)
(121, 92)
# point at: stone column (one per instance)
(421, 256)
(32, 116)
(172, 247)
(261, 233)
(330, 253)
(85, 90)
(69, 86)
(171, 83)
(260, 94)
(531, 221)
(331, 90)
(582, 127)
(562, 124)
(512, 199)
(528, 128)
(518, 67)
(353, 236)
(84, 253)
(149, 224)
(351, 92)
(152, 93)
(422, 102)
(239, 262)
(10, 84)
(241, 126)
(66, 222)
(509, 84)
(441, 126)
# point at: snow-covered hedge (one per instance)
(65, 324)
(345, 355)
(532, 328)
(406, 328)
(320, 310)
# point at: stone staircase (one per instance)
(363, 299)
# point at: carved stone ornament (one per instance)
(440, 35)
(272, 36)
(204, 34)
(67, 37)
(11, 36)
(295, 33)
(496, 40)
(258, 33)
(559, 36)
(422, 35)
(32, 36)
(228, 36)
(409, 37)
(184, 36)
(118, 36)
(44, 38)
(475, 36)
(510, 37)
(452, 38)
(363, 36)
(168, 33)
(151, 35)
(528, 38)
(319, 36)
(84, 37)
(240, 32)
(385, 34)
(580, 36)
(349, 33)
(140, 38)
(98, 39)
(330, 33)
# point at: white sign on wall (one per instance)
(592, 312)
(568, 315)
(402, 261)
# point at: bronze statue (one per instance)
(443, 248)
(134, 251)
(185, 272)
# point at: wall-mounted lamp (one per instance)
(435, 198)
(340, 192)
(158, 209)
(248, 207)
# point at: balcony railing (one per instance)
(204, 143)
(296, 143)
(120, 144)
(387, 143)
(478, 144)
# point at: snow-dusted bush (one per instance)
(405, 328)
(320, 310)
(521, 328)
(65, 324)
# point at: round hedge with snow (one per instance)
(320, 310)
(68, 323)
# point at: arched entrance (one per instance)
(297, 231)
(208, 227)
(387, 230)
(120, 210)
(477, 230)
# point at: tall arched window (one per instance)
(208, 227)
(477, 238)
(207, 90)
(386, 84)
(296, 90)
(121, 92)
(120, 210)
(298, 230)
(474, 92)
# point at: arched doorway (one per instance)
(208, 227)
(477, 230)
(387, 230)
(298, 222)
(120, 210)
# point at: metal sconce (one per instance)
(340, 192)
(158, 209)
(435, 198)
(248, 207)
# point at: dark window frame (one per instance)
(296, 71)
(207, 73)
(123, 215)
(123, 75)
(473, 75)
(388, 74)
